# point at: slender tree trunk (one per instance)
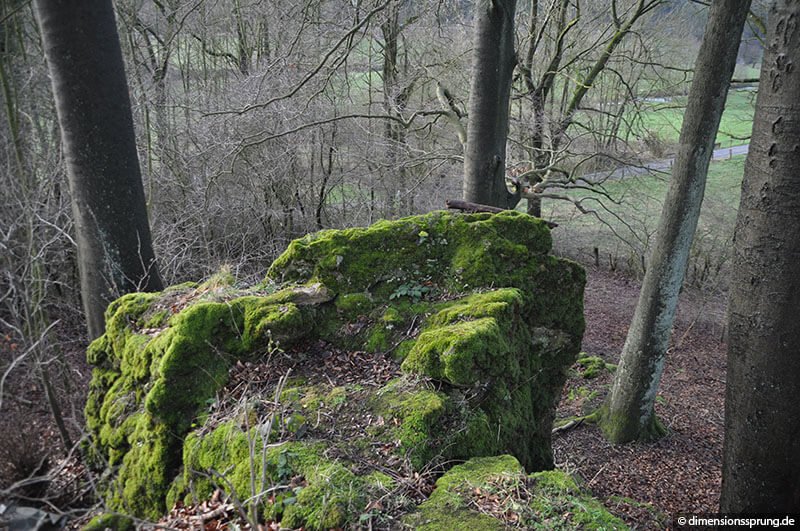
(390, 29)
(760, 468)
(539, 95)
(628, 413)
(85, 61)
(493, 63)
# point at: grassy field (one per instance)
(664, 119)
(623, 224)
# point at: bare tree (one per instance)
(114, 247)
(628, 413)
(570, 41)
(760, 470)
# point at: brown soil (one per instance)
(645, 484)
(680, 473)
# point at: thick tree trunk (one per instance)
(628, 413)
(493, 63)
(761, 469)
(114, 246)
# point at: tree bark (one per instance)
(394, 102)
(760, 468)
(628, 413)
(83, 54)
(493, 63)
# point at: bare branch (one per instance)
(308, 77)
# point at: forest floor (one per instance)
(681, 472)
(646, 484)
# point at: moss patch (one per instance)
(415, 413)
(326, 494)
(495, 493)
(117, 522)
(465, 250)
(593, 366)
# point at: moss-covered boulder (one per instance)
(456, 331)
(510, 322)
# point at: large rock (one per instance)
(482, 321)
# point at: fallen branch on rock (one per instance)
(466, 206)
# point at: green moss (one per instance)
(561, 504)
(204, 340)
(225, 450)
(456, 353)
(552, 499)
(447, 508)
(319, 395)
(431, 520)
(97, 353)
(593, 366)
(127, 309)
(135, 362)
(147, 470)
(313, 397)
(291, 395)
(324, 503)
(354, 304)
(469, 338)
(194, 364)
(296, 381)
(285, 323)
(392, 317)
(333, 497)
(166, 379)
(356, 260)
(102, 380)
(183, 287)
(336, 397)
(220, 279)
(117, 522)
(157, 319)
(554, 481)
(380, 480)
(390, 326)
(403, 349)
(478, 438)
(378, 339)
(483, 337)
(496, 304)
(418, 411)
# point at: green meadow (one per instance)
(623, 218)
(664, 118)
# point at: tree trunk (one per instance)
(394, 101)
(628, 413)
(493, 63)
(91, 93)
(760, 468)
